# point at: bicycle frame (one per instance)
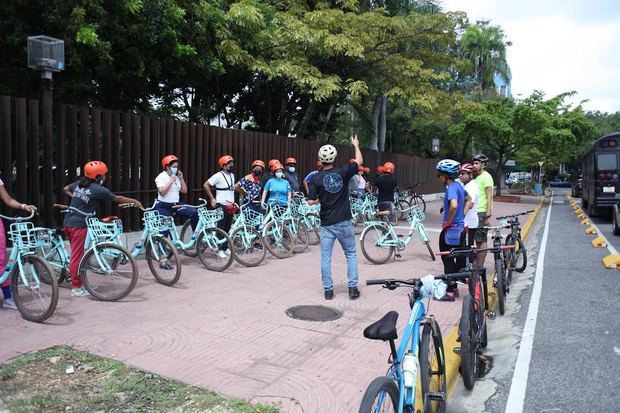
(201, 227)
(390, 239)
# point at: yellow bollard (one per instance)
(599, 242)
(585, 222)
(590, 230)
(612, 261)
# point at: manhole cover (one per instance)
(313, 313)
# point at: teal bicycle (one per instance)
(308, 216)
(108, 271)
(362, 210)
(278, 237)
(247, 243)
(420, 354)
(33, 285)
(379, 240)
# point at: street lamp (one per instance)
(540, 164)
(435, 146)
(46, 54)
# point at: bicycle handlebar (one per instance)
(516, 215)
(472, 251)
(19, 219)
(67, 208)
(202, 200)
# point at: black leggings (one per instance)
(452, 264)
(225, 223)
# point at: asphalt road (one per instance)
(574, 364)
(603, 222)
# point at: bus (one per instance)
(601, 173)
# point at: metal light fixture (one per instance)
(435, 146)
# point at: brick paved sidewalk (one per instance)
(229, 332)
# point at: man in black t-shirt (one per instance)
(386, 183)
(329, 187)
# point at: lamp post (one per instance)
(540, 164)
(435, 146)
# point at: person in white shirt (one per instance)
(224, 184)
(466, 176)
(170, 185)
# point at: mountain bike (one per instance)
(517, 258)
(420, 352)
(379, 240)
(472, 325)
(503, 276)
(32, 282)
(408, 198)
(247, 242)
(108, 271)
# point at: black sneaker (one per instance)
(354, 293)
(329, 294)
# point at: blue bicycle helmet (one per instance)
(449, 166)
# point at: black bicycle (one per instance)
(516, 258)
(503, 275)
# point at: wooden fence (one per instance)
(43, 149)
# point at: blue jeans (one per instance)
(343, 232)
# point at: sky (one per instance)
(558, 46)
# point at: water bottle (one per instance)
(410, 370)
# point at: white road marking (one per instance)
(617, 350)
(516, 397)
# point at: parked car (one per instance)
(615, 219)
(560, 183)
(577, 189)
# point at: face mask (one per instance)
(279, 174)
(291, 169)
(257, 171)
(230, 166)
(174, 171)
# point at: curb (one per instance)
(453, 361)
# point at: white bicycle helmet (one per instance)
(449, 166)
(327, 154)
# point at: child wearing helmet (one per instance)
(170, 184)
(224, 184)
(277, 190)
(86, 195)
(11, 203)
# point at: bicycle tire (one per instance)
(501, 287)
(300, 237)
(46, 291)
(359, 223)
(520, 266)
(366, 243)
(510, 254)
(312, 221)
(208, 246)
(169, 257)
(242, 250)
(401, 209)
(280, 246)
(417, 201)
(432, 332)
(468, 343)
(373, 392)
(126, 280)
(52, 256)
(186, 236)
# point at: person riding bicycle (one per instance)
(170, 185)
(453, 223)
(277, 190)
(224, 184)
(386, 183)
(329, 188)
(484, 180)
(268, 174)
(8, 301)
(86, 194)
(471, 217)
(249, 186)
(291, 174)
(308, 177)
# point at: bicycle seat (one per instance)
(111, 218)
(382, 213)
(384, 329)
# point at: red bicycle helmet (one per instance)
(258, 162)
(167, 160)
(224, 160)
(467, 167)
(95, 168)
(289, 161)
(388, 167)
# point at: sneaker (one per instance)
(79, 292)
(166, 266)
(222, 254)
(9, 303)
(354, 293)
(227, 252)
(446, 297)
(329, 294)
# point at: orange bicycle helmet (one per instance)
(167, 160)
(290, 161)
(258, 162)
(95, 168)
(380, 169)
(272, 162)
(367, 170)
(351, 161)
(277, 167)
(318, 164)
(360, 168)
(224, 160)
(388, 167)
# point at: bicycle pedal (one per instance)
(457, 350)
(400, 235)
(437, 396)
(397, 255)
(491, 315)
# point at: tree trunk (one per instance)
(383, 129)
(303, 125)
(283, 111)
(499, 172)
(376, 111)
(328, 117)
(464, 154)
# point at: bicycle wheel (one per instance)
(278, 240)
(432, 369)
(210, 245)
(35, 299)
(312, 222)
(300, 237)
(371, 237)
(109, 272)
(509, 255)
(381, 396)
(359, 222)
(401, 209)
(427, 241)
(51, 254)
(520, 256)
(501, 287)
(186, 237)
(418, 202)
(468, 343)
(163, 260)
(248, 246)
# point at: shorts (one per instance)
(481, 233)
